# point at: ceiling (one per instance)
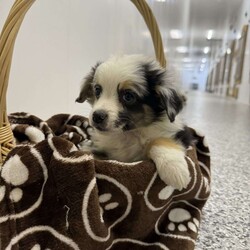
(190, 22)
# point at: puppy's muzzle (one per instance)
(99, 119)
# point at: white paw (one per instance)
(171, 166)
(174, 172)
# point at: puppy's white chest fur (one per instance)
(124, 147)
(130, 146)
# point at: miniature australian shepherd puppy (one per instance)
(135, 115)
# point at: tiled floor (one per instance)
(226, 216)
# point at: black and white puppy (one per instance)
(135, 105)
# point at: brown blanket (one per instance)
(54, 196)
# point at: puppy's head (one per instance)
(129, 92)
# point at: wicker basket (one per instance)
(7, 41)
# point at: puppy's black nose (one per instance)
(99, 116)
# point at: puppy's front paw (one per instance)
(172, 166)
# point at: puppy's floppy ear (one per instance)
(172, 101)
(163, 83)
(86, 92)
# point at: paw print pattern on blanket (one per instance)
(110, 211)
(182, 221)
(17, 187)
(179, 221)
(11, 178)
(104, 200)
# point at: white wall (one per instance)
(58, 43)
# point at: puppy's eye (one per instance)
(97, 90)
(129, 97)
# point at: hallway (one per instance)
(226, 124)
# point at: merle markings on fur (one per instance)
(135, 107)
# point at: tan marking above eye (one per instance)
(125, 85)
(128, 86)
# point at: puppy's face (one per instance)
(129, 92)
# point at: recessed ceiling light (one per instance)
(176, 34)
(210, 34)
(190, 65)
(206, 50)
(182, 49)
(203, 60)
(229, 51)
(186, 59)
(168, 1)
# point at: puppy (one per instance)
(135, 106)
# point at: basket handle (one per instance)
(7, 42)
(152, 25)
